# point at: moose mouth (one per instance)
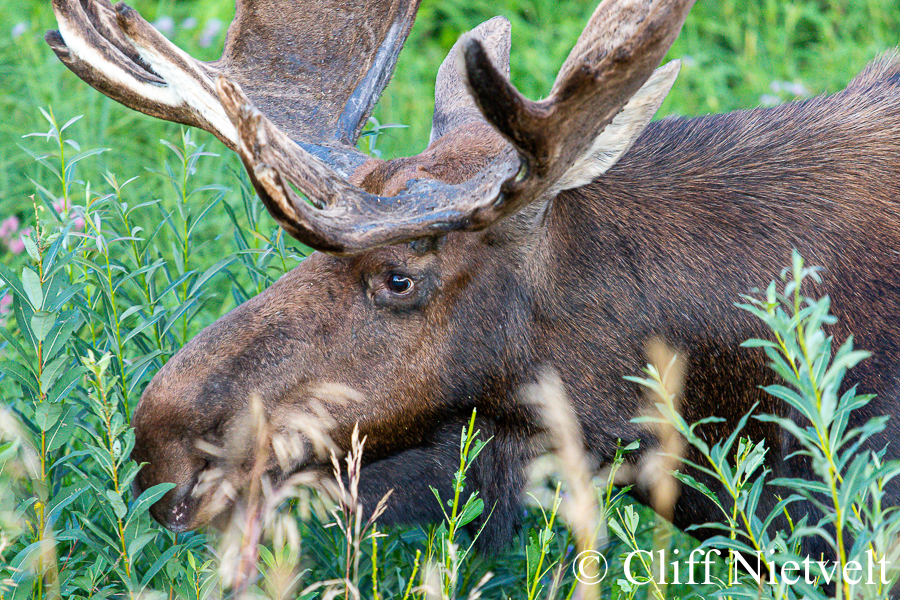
(212, 494)
(180, 516)
(208, 498)
(177, 514)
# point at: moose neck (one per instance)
(664, 244)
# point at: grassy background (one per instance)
(736, 55)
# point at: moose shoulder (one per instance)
(566, 232)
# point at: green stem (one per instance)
(412, 577)
(545, 543)
(114, 461)
(138, 263)
(457, 491)
(120, 354)
(185, 243)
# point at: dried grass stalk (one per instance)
(655, 474)
(579, 508)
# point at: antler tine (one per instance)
(120, 54)
(453, 104)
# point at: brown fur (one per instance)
(698, 212)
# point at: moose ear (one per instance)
(615, 140)
(453, 104)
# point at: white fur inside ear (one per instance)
(614, 141)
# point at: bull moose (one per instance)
(563, 232)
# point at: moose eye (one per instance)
(399, 284)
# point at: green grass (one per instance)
(735, 56)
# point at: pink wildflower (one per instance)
(77, 220)
(17, 245)
(5, 303)
(8, 227)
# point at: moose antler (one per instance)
(312, 75)
(292, 59)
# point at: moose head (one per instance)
(420, 298)
(563, 232)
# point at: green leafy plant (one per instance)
(445, 547)
(850, 483)
(90, 322)
(133, 250)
